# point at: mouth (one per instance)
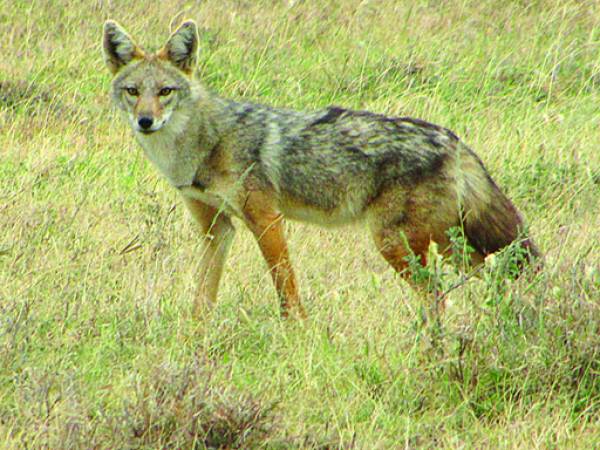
(147, 132)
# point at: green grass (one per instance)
(98, 257)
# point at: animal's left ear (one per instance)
(119, 48)
(182, 47)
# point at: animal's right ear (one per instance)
(119, 48)
(182, 47)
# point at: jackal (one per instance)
(407, 179)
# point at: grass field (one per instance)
(98, 256)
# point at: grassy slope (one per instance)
(97, 255)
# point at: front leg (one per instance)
(217, 235)
(267, 226)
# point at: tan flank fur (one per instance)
(408, 180)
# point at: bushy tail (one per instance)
(491, 221)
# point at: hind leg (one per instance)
(398, 235)
(396, 244)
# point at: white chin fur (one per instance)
(161, 149)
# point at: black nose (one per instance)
(145, 122)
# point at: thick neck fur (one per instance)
(205, 112)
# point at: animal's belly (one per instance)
(331, 218)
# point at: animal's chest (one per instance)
(171, 158)
(188, 171)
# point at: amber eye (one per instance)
(165, 91)
(132, 91)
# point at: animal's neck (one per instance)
(211, 117)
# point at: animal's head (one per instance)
(151, 87)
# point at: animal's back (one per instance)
(331, 165)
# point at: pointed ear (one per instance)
(119, 48)
(182, 47)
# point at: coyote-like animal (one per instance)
(409, 180)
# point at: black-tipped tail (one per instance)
(495, 223)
